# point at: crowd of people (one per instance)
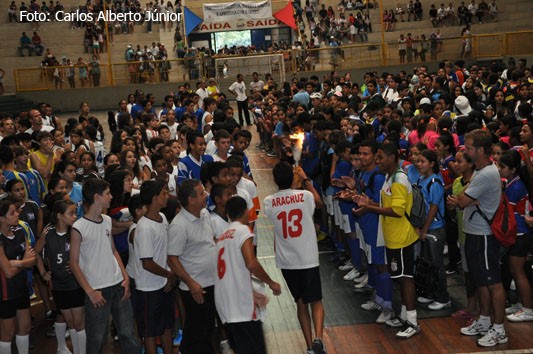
(388, 170)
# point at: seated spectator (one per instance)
(493, 10)
(12, 12)
(418, 10)
(433, 15)
(37, 44)
(25, 43)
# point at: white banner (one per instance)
(237, 10)
(238, 25)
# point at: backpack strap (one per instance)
(438, 181)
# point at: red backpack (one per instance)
(503, 223)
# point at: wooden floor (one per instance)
(349, 329)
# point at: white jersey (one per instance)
(96, 261)
(173, 129)
(99, 153)
(251, 188)
(211, 148)
(151, 241)
(291, 212)
(233, 281)
(133, 262)
(218, 224)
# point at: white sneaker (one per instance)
(522, 315)
(351, 275)
(225, 347)
(424, 300)
(408, 331)
(347, 265)
(492, 338)
(475, 328)
(362, 278)
(370, 305)
(394, 323)
(386, 315)
(513, 308)
(435, 305)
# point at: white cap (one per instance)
(425, 100)
(462, 104)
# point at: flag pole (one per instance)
(184, 24)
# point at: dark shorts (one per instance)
(522, 245)
(8, 309)
(157, 312)
(246, 337)
(69, 299)
(304, 284)
(401, 261)
(402, 51)
(483, 259)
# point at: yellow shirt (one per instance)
(397, 194)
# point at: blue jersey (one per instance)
(77, 197)
(369, 221)
(517, 194)
(35, 187)
(412, 174)
(189, 167)
(9, 175)
(435, 196)
(343, 168)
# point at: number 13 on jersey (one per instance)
(291, 223)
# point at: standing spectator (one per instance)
(291, 211)
(95, 70)
(97, 267)
(191, 252)
(12, 12)
(398, 233)
(238, 88)
(418, 10)
(402, 48)
(480, 201)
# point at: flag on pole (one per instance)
(286, 15)
(191, 20)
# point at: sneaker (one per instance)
(321, 236)
(513, 308)
(386, 315)
(522, 315)
(424, 300)
(63, 351)
(435, 305)
(408, 331)
(363, 289)
(475, 328)
(33, 296)
(492, 338)
(179, 336)
(347, 265)
(371, 305)
(362, 278)
(351, 275)
(225, 347)
(318, 346)
(394, 323)
(450, 269)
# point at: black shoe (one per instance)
(318, 346)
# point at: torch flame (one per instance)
(297, 139)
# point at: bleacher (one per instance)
(65, 41)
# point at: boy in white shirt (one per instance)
(97, 267)
(154, 280)
(234, 295)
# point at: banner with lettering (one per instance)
(237, 10)
(238, 25)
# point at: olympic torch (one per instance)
(297, 140)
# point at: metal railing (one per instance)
(345, 57)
